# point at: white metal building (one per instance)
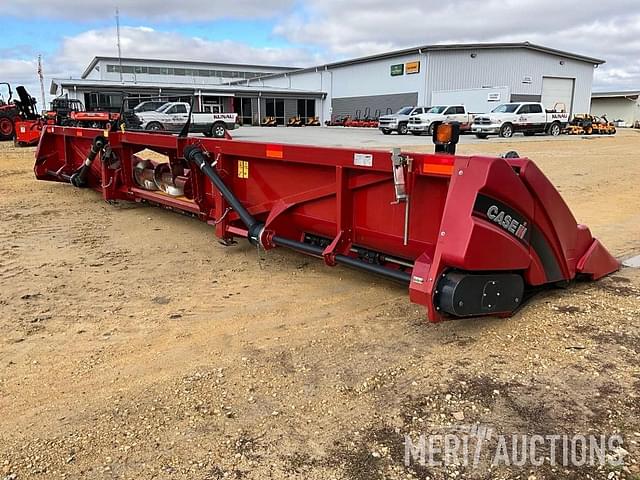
(379, 83)
(367, 86)
(616, 106)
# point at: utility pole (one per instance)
(41, 75)
(118, 41)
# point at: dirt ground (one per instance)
(134, 346)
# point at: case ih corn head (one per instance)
(468, 235)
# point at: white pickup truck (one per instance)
(526, 117)
(426, 122)
(173, 115)
(398, 122)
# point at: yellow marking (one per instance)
(243, 169)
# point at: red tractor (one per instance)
(12, 111)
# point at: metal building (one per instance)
(379, 83)
(107, 80)
(624, 106)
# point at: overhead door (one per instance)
(372, 104)
(557, 90)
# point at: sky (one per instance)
(69, 33)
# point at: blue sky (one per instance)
(68, 33)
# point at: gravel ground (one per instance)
(134, 346)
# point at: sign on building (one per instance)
(397, 69)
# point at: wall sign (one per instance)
(412, 67)
(397, 69)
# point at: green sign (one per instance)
(397, 70)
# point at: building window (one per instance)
(306, 108)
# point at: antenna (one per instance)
(41, 75)
(118, 41)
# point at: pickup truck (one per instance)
(173, 115)
(399, 121)
(427, 121)
(526, 117)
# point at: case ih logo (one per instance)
(504, 216)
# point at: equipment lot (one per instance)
(365, 137)
(135, 346)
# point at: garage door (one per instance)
(372, 103)
(557, 90)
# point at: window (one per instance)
(164, 71)
(154, 70)
(450, 111)
(459, 110)
(417, 111)
(139, 69)
(506, 108)
(306, 108)
(524, 109)
(534, 108)
(180, 72)
(438, 109)
(180, 109)
(111, 68)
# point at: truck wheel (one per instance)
(218, 130)
(154, 126)
(432, 127)
(481, 136)
(403, 129)
(6, 128)
(506, 131)
(554, 129)
(386, 131)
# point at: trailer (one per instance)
(467, 235)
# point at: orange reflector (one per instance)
(444, 133)
(437, 169)
(274, 151)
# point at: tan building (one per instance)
(616, 106)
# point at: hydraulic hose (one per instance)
(195, 155)
(79, 177)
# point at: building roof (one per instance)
(436, 48)
(634, 94)
(207, 89)
(95, 60)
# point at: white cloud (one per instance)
(167, 10)
(607, 30)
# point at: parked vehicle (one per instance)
(526, 117)
(399, 121)
(14, 110)
(149, 106)
(173, 115)
(426, 122)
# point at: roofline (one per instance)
(95, 60)
(616, 93)
(435, 48)
(117, 86)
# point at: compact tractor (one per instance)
(466, 235)
(13, 111)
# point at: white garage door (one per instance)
(557, 90)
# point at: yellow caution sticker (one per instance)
(243, 169)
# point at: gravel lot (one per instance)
(134, 346)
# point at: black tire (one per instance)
(7, 128)
(506, 130)
(218, 130)
(403, 129)
(481, 136)
(386, 132)
(431, 129)
(154, 126)
(555, 129)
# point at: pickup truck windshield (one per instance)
(438, 109)
(506, 108)
(404, 111)
(164, 108)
